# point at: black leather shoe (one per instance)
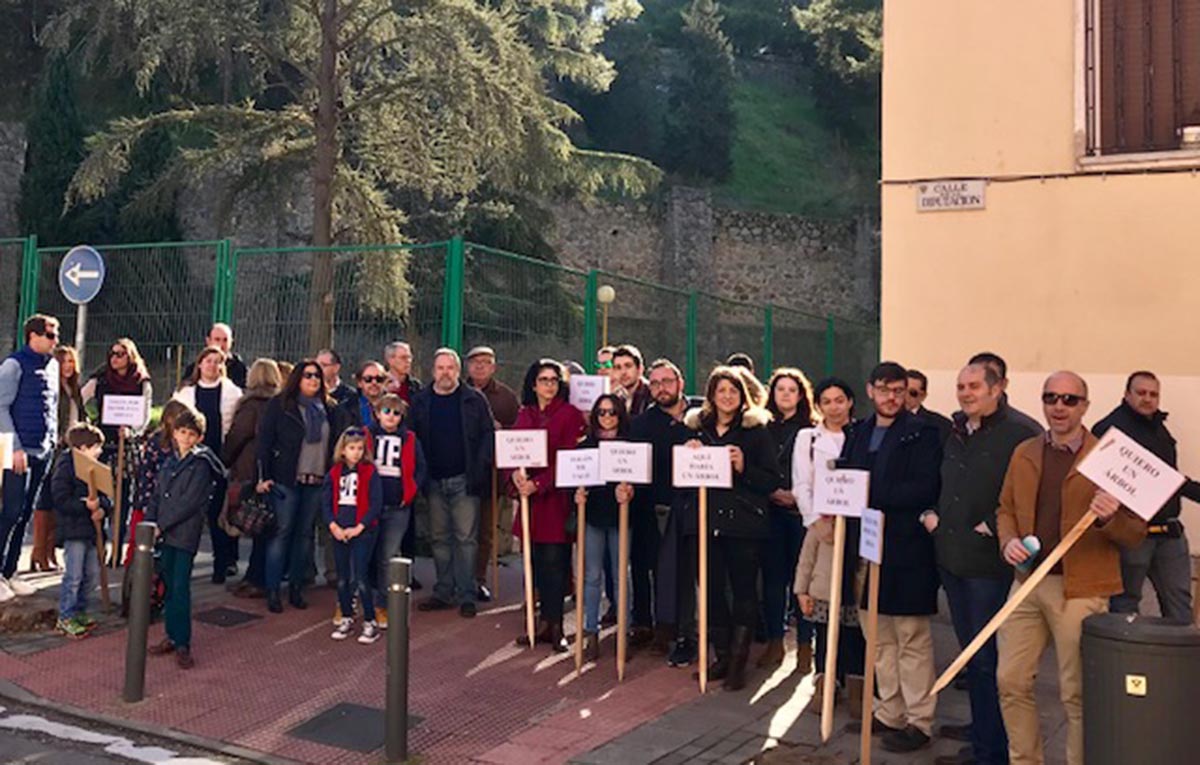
(273, 603)
(482, 593)
(467, 610)
(908, 740)
(955, 732)
(296, 599)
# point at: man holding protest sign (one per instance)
(903, 453)
(1164, 556)
(973, 574)
(1045, 495)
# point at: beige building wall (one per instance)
(1070, 268)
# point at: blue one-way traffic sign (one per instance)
(81, 274)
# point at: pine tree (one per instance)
(700, 124)
(54, 149)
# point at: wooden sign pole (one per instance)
(93, 494)
(495, 535)
(832, 628)
(1015, 600)
(527, 561)
(872, 630)
(702, 573)
(115, 525)
(622, 589)
(580, 543)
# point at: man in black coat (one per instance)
(358, 409)
(975, 577)
(903, 453)
(1164, 555)
(220, 335)
(918, 391)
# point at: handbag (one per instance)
(253, 514)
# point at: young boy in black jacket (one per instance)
(75, 517)
(179, 505)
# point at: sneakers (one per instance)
(682, 653)
(6, 592)
(370, 633)
(71, 628)
(381, 618)
(85, 620)
(342, 631)
(20, 587)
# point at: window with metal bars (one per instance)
(1143, 75)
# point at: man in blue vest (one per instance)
(28, 411)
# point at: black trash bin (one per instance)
(1141, 677)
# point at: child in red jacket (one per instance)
(353, 499)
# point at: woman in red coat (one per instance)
(545, 406)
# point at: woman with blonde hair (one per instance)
(739, 520)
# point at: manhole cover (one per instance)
(225, 617)
(347, 726)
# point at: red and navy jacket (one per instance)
(400, 462)
(352, 495)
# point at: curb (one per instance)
(14, 693)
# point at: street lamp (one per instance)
(606, 295)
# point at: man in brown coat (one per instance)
(1044, 495)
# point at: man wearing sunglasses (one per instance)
(1045, 496)
(914, 400)
(1164, 556)
(604, 361)
(358, 410)
(29, 411)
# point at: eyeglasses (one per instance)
(380, 379)
(50, 335)
(389, 410)
(548, 380)
(311, 375)
(894, 392)
(914, 393)
(115, 353)
(660, 383)
(604, 364)
(606, 412)
(1069, 399)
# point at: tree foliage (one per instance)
(847, 36)
(700, 123)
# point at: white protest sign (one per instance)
(6, 450)
(124, 410)
(702, 466)
(870, 537)
(585, 389)
(1129, 472)
(577, 467)
(626, 461)
(521, 449)
(840, 492)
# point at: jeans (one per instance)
(733, 565)
(1168, 563)
(177, 611)
(19, 495)
(454, 532)
(973, 603)
(551, 561)
(393, 524)
(643, 563)
(81, 571)
(780, 555)
(353, 562)
(599, 544)
(224, 547)
(296, 509)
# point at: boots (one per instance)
(558, 641)
(296, 599)
(772, 655)
(854, 695)
(739, 654)
(273, 603)
(541, 636)
(591, 646)
(43, 557)
(719, 640)
(804, 658)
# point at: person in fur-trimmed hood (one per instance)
(738, 518)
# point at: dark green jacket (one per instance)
(973, 469)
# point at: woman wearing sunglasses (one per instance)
(294, 448)
(609, 421)
(124, 373)
(545, 406)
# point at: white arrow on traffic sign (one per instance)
(76, 274)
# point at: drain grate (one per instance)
(347, 726)
(226, 617)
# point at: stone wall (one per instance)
(684, 241)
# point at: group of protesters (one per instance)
(349, 469)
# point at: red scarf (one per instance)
(128, 384)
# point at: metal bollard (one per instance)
(399, 579)
(139, 613)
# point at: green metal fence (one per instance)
(165, 295)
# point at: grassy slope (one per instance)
(787, 159)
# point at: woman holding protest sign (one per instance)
(215, 396)
(738, 518)
(790, 403)
(124, 374)
(609, 421)
(545, 406)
